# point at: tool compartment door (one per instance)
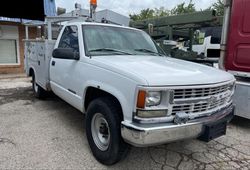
(38, 54)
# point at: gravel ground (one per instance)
(50, 134)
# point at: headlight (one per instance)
(152, 104)
(148, 99)
(153, 99)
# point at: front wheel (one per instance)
(103, 129)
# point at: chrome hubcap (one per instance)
(100, 131)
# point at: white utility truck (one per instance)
(129, 90)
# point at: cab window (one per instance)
(69, 38)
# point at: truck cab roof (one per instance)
(81, 21)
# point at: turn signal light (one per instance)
(141, 99)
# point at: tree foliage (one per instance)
(150, 13)
(159, 12)
(144, 14)
(183, 9)
(218, 7)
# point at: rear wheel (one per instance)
(103, 129)
(39, 91)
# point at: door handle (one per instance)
(53, 63)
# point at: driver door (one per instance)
(63, 72)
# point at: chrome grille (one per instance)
(199, 92)
(200, 100)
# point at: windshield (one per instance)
(106, 40)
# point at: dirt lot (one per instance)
(50, 134)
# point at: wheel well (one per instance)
(94, 93)
(31, 72)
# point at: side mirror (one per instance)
(66, 53)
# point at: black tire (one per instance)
(38, 91)
(117, 148)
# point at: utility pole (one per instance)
(93, 5)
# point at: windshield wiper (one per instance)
(148, 51)
(110, 50)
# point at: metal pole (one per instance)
(49, 30)
(93, 5)
(225, 28)
(92, 11)
(191, 36)
(26, 32)
(170, 32)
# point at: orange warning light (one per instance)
(93, 2)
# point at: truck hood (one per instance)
(162, 71)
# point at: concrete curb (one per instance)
(12, 76)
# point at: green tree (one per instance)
(144, 14)
(183, 9)
(159, 12)
(218, 7)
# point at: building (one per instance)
(12, 31)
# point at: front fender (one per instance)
(111, 90)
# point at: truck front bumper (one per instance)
(142, 135)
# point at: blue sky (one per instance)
(127, 7)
